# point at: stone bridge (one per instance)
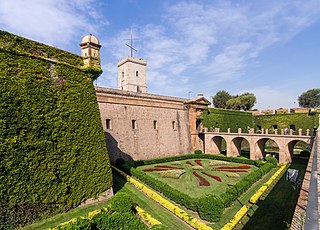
(213, 143)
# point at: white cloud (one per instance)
(205, 44)
(54, 22)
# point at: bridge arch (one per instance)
(291, 144)
(235, 146)
(260, 147)
(216, 144)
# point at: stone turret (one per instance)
(90, 51)
(132, 75)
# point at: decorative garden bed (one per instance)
(206, 183)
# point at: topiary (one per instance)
(210, 208)
(121, 202)
(272, 160)
(198, 151)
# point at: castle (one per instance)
(139, 125)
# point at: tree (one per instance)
(234, 103)
(247, 101)
(310, 98)
(220, 99)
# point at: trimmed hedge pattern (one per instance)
(194, 222)
(52, 150)
(209, 207)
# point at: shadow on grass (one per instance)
(276, 210)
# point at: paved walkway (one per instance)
(312, 213)
(306, 215)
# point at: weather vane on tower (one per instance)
(131, 44)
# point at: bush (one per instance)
(121, 202)
(198, 151)
(117, 220)
(214, 204)
(272, 160)
(210, 208)
(80, 224)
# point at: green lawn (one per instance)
(242, 200)
(268, 209)
(278, 207)
(63, 217)
(189, 184)
(153, 208)
(150, 206)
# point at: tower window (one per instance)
(108, 123)
(134, 124)
(155, 125)
(137, 73)
(173, 125)
(122, 74)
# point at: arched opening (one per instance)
(299, 150)
(272, 149)
(245, 148)
(240, 147)
(219, 145)
(266, 147)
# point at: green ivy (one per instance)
(224, 119)
(52, 146)
(302, 121)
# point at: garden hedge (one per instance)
(52, 150)
(209, 207)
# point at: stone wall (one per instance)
(161, 124)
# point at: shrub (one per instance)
(272, 160)
(80, 224)
(210, 208)
(121, 202)
(229, 196)
(117, 220)
(198, 151)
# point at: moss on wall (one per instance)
(224, 119)
(281, 121)
(52, 145)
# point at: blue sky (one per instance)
(270, 48)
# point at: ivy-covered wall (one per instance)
(52, 145)
(281, 121)
(224, 119)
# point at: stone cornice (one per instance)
(139, 61)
